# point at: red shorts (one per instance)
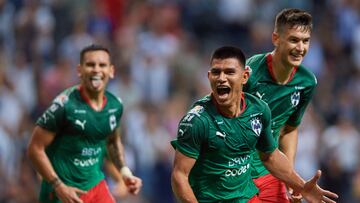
(99, 193)
(271, 189)
(254, 199)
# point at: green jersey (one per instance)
(287, 102)
(223, 148)
(79, 146)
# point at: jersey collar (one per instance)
(242, 104)
(269, 58)
(87, 100)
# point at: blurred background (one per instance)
(161, 50)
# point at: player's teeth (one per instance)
(96, 81)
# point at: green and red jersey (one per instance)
(79, 146)
(287, 102)
(223, 148)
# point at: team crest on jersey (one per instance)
(295, 98)
(256, 126)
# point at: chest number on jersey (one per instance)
(112, 122)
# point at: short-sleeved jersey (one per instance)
(79, 146)
(223, 148)
(287, 102)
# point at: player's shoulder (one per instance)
(65, 96)
(113, 98)
(198, 112)
(254, 100)
(199, 107)
(255, 62)
(306, 76)
(255, 105)
(256, 59)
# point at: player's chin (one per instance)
(295, 61)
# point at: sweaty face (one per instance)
(226, 77)
(292, 44)
(95, 71)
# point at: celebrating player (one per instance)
(76, 132)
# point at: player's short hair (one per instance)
(93, 47)
(293, 18)
(226, 52)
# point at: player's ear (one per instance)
(112, 71)
(78, 69)
(246, 75)
(275, 38)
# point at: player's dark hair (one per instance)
(293, 18)
(93, 47)
(226, 52)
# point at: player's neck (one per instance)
(96, 100)
(233, 110)
(281, 72)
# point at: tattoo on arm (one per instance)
(115, 149)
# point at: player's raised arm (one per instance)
(279, 166)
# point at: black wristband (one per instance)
(55, 182)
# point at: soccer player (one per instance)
(217, 137)
(279, 79)
(76, 132)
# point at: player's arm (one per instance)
(288, 142)
(116, 154)
(120, 188)
(180, 178)
(279, 166)
(40, 139)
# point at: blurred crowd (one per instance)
(161, 51)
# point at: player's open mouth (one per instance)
(96, 81)
(222, 90)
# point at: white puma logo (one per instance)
(81, 124)
(220, 134)
(260, 95)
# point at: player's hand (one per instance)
(133, 184)
(68, 194)
(294, 197)
(313, 193)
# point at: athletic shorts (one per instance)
(254, 199)
(99, 193)
(271, 189)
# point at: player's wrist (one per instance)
(55, 182)
(126, 172)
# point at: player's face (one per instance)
(292, 44)
(226, 77)
(95, 71)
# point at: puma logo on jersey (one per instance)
(81, 124)
(260, 95)
(220, 134)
